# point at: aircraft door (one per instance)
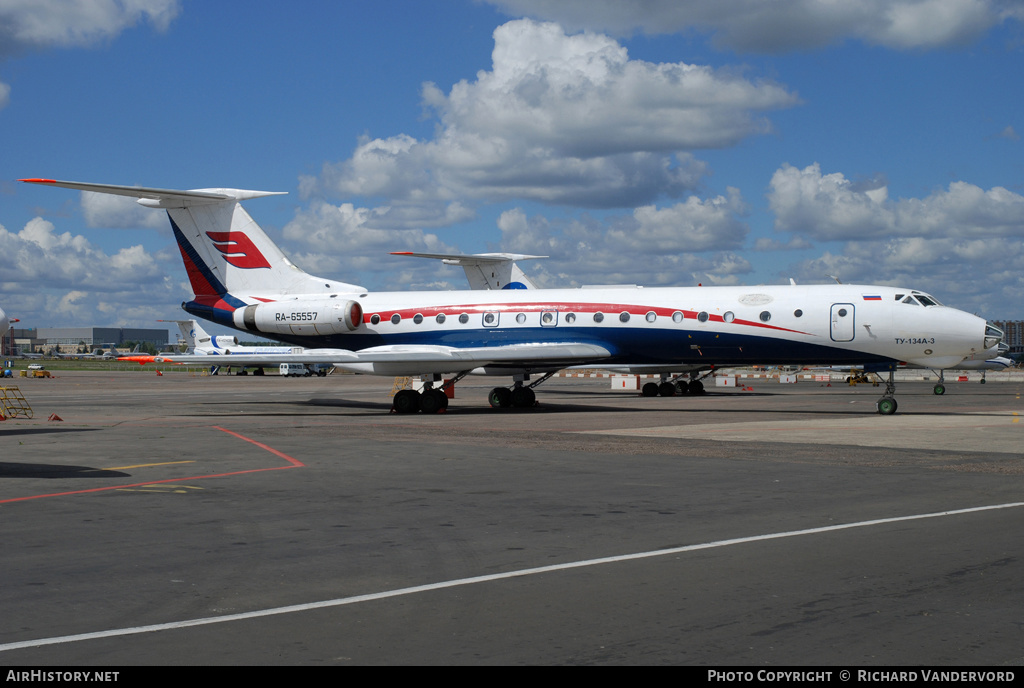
(842, 322)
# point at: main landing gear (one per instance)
(887, 404)
(434, 400)
(676, 385)
(519, 396)
(430, 400)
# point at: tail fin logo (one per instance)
(238, 250)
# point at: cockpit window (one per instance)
(900, 296)
(911, 300)
(926, 300)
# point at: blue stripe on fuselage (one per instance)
(626, 344)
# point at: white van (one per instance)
(294, 370)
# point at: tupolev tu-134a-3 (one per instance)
(242, 280)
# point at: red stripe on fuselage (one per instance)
(609, 309)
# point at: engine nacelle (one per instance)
(307, 317)
(224, 341)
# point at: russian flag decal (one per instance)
(871, 297)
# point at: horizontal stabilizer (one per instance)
(471, 258)
(162, 198)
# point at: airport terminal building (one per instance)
(70, 339)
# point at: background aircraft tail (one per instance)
(485, 270)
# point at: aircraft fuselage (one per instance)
(785, 324)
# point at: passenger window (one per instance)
(624, 316)
(440, 318)
(766, 316)
(418, 318)
(651, 316)
(703, 316)
(374, 319)
(395, 319)
(599, 317)
(677, 317)
(570, 318)
(464, 318)
(728, 316)
(521, 318)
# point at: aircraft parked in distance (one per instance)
(95, 354)
(979, 362)
(242, 280)
(198, 342)
(485, 270)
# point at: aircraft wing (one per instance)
(414, 359)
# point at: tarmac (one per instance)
(226, 520)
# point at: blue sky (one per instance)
(659, 143)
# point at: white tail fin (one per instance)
(226, 253)
(192, 335)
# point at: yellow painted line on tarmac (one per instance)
(145, 465)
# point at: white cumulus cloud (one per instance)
(783, 25)
(831, 207)
(562, 119)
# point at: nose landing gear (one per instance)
(887, 404)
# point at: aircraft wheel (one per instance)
(939, 389)
(887, 406)
(500, 397)
(433, 401)
(650, 389)
(982, 380)
(682, 388)
(696, 387)
(406, 401)
(523, 397)
(667, 389)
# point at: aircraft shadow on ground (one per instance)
(50, 471)
(8, 431)
(625, 403)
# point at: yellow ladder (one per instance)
(401, 383)
(13, 403)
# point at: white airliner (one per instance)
(241, 279)
(197, 341)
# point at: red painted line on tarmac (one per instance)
(294, 463)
